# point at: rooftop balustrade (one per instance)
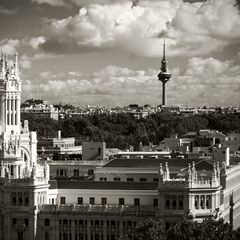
(100, 209)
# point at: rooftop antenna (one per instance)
(164, 49)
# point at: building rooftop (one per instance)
(65, 184)
(173, 163)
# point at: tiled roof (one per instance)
(65, 184)
(173, 163)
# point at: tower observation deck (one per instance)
(164, 76)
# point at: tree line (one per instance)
(186, 229)
(122, 129)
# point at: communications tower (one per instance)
(164, 76)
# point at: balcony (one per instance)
(126, 210)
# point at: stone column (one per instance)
(73, 229)
(10, 111)
(9, 231)
(6, 111)
(105, 229)
(13, 112)
(88, 229)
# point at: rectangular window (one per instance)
(143, 179)
(46, 222)
(90, 172)
(80, 200)
(103, 179)
(46, 236)
(121, 201)
(26, 221)
(155, 179)
(129, 223)
(76, 172)
(92, 200)
(62, 200)
(155, 202)
(14, 221)
(130, 179)
(136, 201)
(104, 201)
(116, 179)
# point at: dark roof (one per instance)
(173, 163)
(65, 184)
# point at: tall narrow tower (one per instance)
(164, 76)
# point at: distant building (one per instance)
(59, 148)
(42, 110)
(93, 150)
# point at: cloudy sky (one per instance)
(106, 52)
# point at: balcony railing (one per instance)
(101, 209)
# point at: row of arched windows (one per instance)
(20, 198)
(202, 202)
(174, 202)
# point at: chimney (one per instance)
(59, 134)
(227, 157)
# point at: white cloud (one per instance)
(207, 82)
(36, 42)
(25, 64)
(111, 86)
(110, 25)
(202, 82)
(10, 46)
(209, 67)
(190, 29)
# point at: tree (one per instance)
(151, 229)
(187, 229)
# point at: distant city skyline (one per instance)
(108, 52)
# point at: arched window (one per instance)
(196, 202)
(26, 199)
(208, 201)
(20, 199)
(174, 204)
(14, 199)
(202, 204)
(167, 204)
(180, 204)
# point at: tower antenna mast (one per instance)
(164, 76)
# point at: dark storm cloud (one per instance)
(26, 17)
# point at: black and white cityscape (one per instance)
(119, 119)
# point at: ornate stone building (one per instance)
(23, 182)
(125, 191)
